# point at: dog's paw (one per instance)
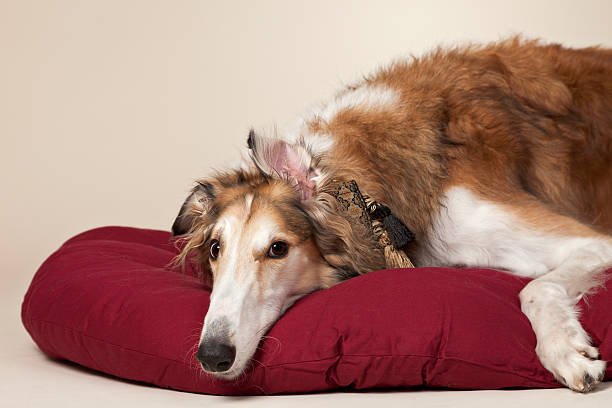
(578, 367)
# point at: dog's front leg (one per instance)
(549, 302)
(566, 257)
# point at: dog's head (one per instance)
(265, 237)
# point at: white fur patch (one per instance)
(477, 233)
(318, 143)
(472, 232)
(248, 199)
(365, 97)
(299, 133)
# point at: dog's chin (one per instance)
(228, 375)
(235, 371)
(246, 346)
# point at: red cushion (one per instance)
(106, 300)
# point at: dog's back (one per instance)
(514, 116)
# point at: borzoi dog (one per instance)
(496, 156)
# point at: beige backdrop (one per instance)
(110, 109)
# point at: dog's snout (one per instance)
(216, 356)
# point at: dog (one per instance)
(495, 156)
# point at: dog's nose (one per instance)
(216, 356)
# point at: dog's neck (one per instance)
(391, 233)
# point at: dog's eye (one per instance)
(214, 249)
(278, 249)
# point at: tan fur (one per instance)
(522, 126)
(509, 120)
(514, 117)
(271, 200)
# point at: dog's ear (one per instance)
(277, 158)
(196, 204)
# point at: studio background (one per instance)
(110, 109)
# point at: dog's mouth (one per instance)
(223, 360)
(228, 354)
(226, 351)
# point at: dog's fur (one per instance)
(497, 156)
